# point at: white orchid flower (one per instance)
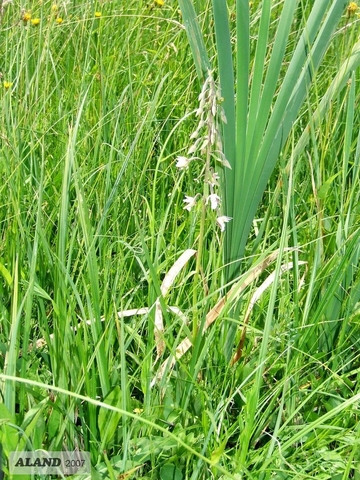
(214, 201)
(221, 221)
(191, 202)
(182, 162)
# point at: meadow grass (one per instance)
(98, 100)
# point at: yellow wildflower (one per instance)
(352, 7)
(159, 3)
(35, 22)
(54, 8)
(97, 14)
(7, 85)
(26, 17)
(59, 20)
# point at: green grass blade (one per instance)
(226, 74)
(337, 84)
(235, 176)
(258, 72)
(253, 399)
(196, 41)
(93, 273)
(260, 105)
(13, 349)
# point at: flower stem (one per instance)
(198, 267)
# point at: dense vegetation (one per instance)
(98, 102)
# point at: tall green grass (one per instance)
(92, 221)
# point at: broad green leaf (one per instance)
(227, 87)
(218, 452)
(108, 420)
(170, 472)
(6, 274)
(8, 432)
(324, 189)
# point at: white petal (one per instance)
(214, 201)
(213, 109)
(214, 179)
(226, 163)
(191, 202)
(193, 148)
(222, 220)
(182, 162)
